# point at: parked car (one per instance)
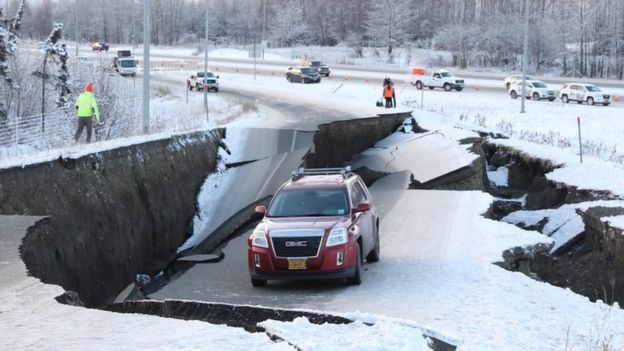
(581, 92)
(440, 78)
(302, 75)
(198, 80)
(97, 46)
(321, 224)
(319, 66)
(535, 89)
(513, 79)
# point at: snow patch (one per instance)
(563, 223)
(615, 221)
(355, 336)
(499, 176)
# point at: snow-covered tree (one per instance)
(54, 50)
(8, 45)
(387, 22)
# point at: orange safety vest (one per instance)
(388, 91)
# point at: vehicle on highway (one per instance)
(126, 66)
(513, 79)
(97, 46)
(535, 89)
(302, 75)
(440, 78)
(319, 66)
(321, 224)
(203, 79)
(581, 92)
(121, 54)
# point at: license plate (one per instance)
(297, 264)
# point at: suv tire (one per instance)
(419, 85)
(513, 94)
(564, 99)
(258, 282)
(357, 277)
(590, 100)
(289, 79)
(535, 96)
(447, 87)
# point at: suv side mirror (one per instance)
(362, 207)
(261, 209)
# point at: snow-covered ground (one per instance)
(449, 285)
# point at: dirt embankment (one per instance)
(592, 263)
(112, 214)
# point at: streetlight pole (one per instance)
(147, 39)
(524, 54)
(263, 25)
(206, 69)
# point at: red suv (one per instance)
(319, 225)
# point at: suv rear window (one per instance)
(309, 202)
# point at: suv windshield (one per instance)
(309, 202)
(539, 85)
(126, 63)
(201, 74)
(592, 88)
(445, 74)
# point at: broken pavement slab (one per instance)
(414, 152)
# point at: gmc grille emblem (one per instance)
(296, 243)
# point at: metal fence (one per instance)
(36, 132)
(25, 135)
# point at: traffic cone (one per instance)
(477, 87)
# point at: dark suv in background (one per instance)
(321, 224)
(302, 75)
(319, 66)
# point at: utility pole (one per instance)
(263, 25)
(147, 39)
(524, 54)
(206, 69)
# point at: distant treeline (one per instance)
(573, 37)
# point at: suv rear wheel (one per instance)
(357, 277)
(419, 85)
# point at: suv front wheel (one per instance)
(564, 99)
(357, 276)
(373, 256)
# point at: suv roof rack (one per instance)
(301, 172)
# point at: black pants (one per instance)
(388, 102)
(82, 123)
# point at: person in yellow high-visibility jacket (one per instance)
(86, 109)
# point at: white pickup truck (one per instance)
(438, 79)
(201, 79)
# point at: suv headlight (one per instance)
(259, 239)
(337, 236)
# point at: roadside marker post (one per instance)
(578, 123)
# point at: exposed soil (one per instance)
(592, 264)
